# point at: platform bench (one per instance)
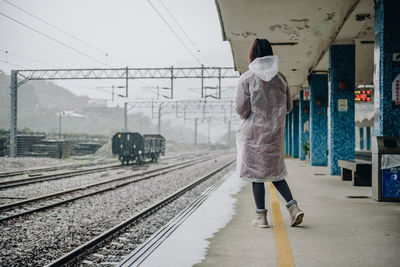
(358, 171)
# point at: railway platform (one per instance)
(343, 226)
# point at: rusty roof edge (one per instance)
(333, 37)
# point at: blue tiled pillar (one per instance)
(304, 117)
(290, 134)
(295, 126)
(286, 136)
(387, 42)
(342, 125)
(361, 138)
(368, 137)
(318, 119)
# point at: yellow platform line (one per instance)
(284, 255)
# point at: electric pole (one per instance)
(125, 116)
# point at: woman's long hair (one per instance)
(260, 48)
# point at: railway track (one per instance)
(47, 169)
(49, 177)
(42, 178)
(28, 206)
(86, 248)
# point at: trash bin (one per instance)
(386, 168)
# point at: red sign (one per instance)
(362, 95)
(306, 94)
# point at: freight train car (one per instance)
(134, 147)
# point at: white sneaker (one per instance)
(296, 214)
(261, 219)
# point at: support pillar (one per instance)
(318, 119)
(304, 125)
(14, 113)
(295, 127)
(386, 69)
(368, 138)
(361, 138)
(387, 42)
(341, 115)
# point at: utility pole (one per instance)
(125, 116)
(13, 119)
(126, 82)
(159, 118)
(219, 83)
(172, 82)
(59, 126)
(195, 131)
(202, 81)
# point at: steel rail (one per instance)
(79, 251)
(160, 171)
(56, 176)
(29, 171)
(34, 199)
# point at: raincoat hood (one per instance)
(265, 68)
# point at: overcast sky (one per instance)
(130, 31)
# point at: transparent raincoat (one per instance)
(262, 100)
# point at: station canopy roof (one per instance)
(301, 32)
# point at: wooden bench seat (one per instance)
(358, 171)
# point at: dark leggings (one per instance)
(259, 192)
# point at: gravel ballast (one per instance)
(39, 238)
(14, 194)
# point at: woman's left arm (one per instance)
(242, 99)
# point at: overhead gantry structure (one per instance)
(221, 110)
(19, 77)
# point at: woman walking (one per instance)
(262, 101)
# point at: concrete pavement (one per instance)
(336, 231)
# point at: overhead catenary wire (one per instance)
(174, 32)
(27, 58)
(53, 39)
(184, 32)
(40, 62)
(106, 54)
(68, 34)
